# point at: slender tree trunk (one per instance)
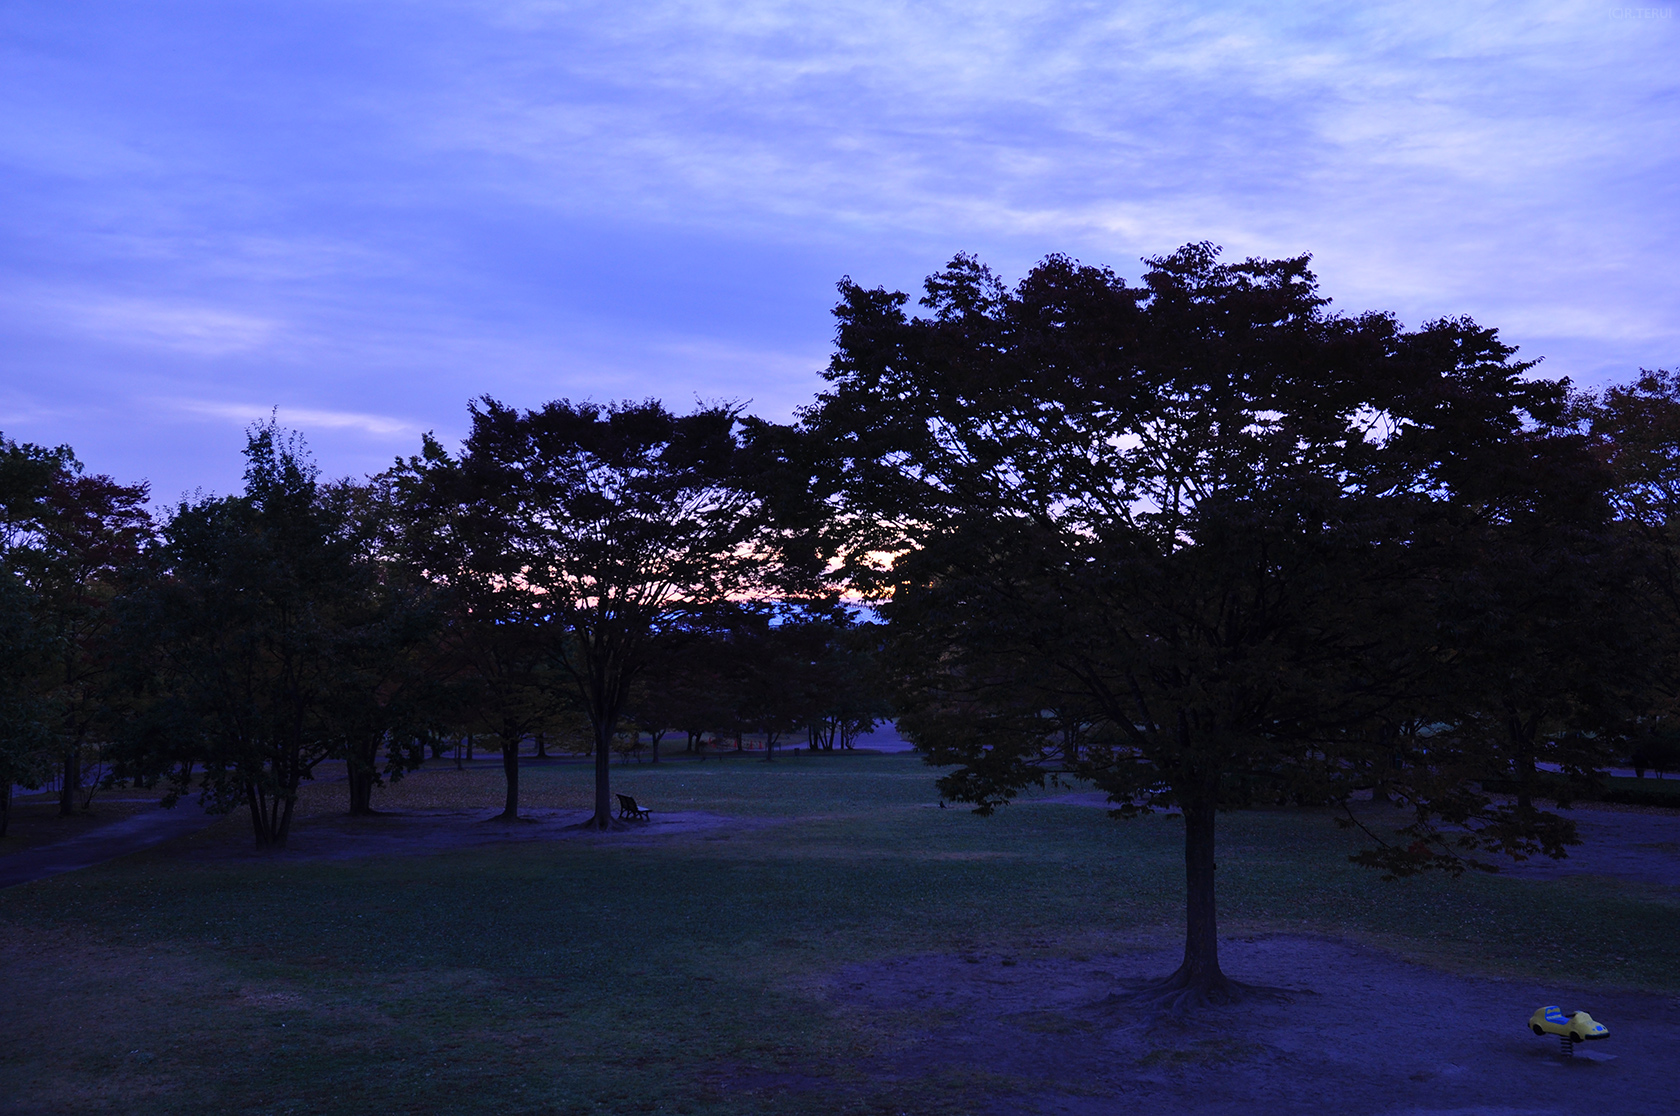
(510, 770)
(653, 739)
(285, 827)
(72, 780)
(603, 774)
(360, 761)
(261, 815)
(1523, 745)
(1525, 781)
(542, 745)
(5, 805)
(254, 800)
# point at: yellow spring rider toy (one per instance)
(1571, 1027)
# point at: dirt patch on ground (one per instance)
(1362, 1033)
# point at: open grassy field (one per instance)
(700, 972)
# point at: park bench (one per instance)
(628, 810)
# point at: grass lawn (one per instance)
(689, 975)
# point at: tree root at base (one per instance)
(1178, 995)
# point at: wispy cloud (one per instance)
(303, 418)
(198, 327)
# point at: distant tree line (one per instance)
(574, 571)
(1200, 541)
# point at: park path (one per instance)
(131, 834)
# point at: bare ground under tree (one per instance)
(1361, 1032)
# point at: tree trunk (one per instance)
(5, 805)
(1522, 742)
(542, 745)
(361, 792)
(510, 771)
(603, 774)
(360, 763)
(1200, 970)
(259, 827)
(654, 738)
(285, 828)
(264, 816)
(72, 781)
(1199, 979)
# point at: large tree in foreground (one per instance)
(621, 530)
(1202, 522)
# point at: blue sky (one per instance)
(365, 214)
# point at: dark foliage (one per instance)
(1209, 531)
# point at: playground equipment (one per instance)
(1571, 1027)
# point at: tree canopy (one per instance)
(611, 532)
(1214, 517)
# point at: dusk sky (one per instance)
(365, 214)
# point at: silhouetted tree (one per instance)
(1635, 429)
(91, 542)
(25, 658)
(491, 653)
(74, 538)
(626, 527)
(1190, 509)
(28, 476)
(255, 605)
(391, 689)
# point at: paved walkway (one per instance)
(143, 830)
